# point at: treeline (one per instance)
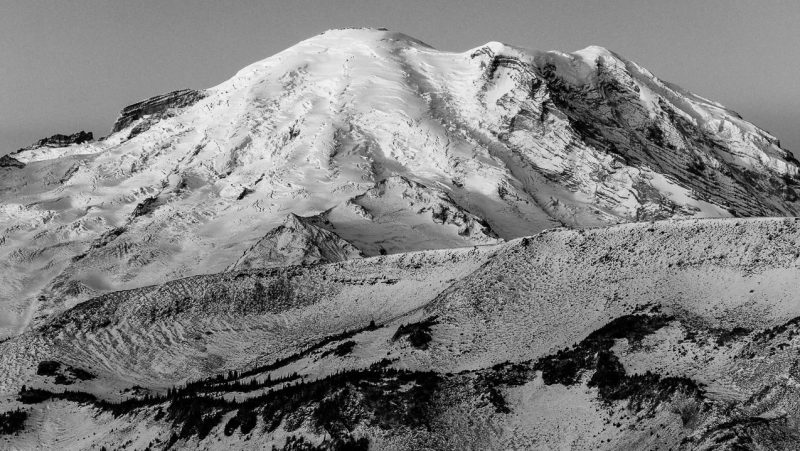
(13, 421)
(194, 412)
(419, 334)
(295, 443)
(282, 362)
(229, 383)
(319, 403)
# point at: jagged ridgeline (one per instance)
(326, 252)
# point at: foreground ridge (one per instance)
(646, 336)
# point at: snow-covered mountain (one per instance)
(396, 146)
(340, 226)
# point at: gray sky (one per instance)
(72, 65)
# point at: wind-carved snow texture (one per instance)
(672, 334)
(160, 254)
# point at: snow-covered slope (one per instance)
(396, 145)
(672, 334)
(296, 242)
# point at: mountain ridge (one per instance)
(502, 334)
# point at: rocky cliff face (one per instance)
(59, 140)
(155, 108)
(7, 161)
(637, 147)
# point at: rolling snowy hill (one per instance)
(673, 334)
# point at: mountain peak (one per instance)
(593, 52)
(342, 37)
(389, 144)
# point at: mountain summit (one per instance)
(391, 145)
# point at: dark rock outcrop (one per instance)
(10, 162)
(60, 140)
(158, 106)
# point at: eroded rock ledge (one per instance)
(157, 105)
(59, 140)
